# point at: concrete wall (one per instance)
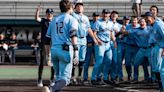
(25, 9)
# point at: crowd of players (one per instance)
(136, 41)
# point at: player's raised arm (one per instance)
(37, 17)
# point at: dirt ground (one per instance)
(30, 86)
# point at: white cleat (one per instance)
(40, 84)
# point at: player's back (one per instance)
(60, 27)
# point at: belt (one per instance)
(105, 41)
(146, 47)
(90, 44)
(81, 37)
(132, 45)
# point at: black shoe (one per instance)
(113, 81)
(121, 80)
(108, 82)
(134, 81)
(99, 79)
(94, 82)
(129, 78)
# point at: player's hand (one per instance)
(123, 28)
(115, 45)
(39, 8)
(95, 41)
(100, 42)
(76, 58)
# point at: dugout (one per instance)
(25, 30)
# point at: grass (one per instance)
(31, 72)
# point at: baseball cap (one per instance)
(49, 11)
(149, 14)
(114, 12)
(105, 11)
(95, 14)
(79, 2)
(126, 17)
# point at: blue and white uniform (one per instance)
(60, 31)
(103, 53)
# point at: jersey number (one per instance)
(59, 26)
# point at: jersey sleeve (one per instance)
(96, 26)
(73, 27)
(160, 28)
(88, 23)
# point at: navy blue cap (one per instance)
(95, 14)
(126, 17)
(79, 3)
(149, 14)
(49, 11)
(114, 12)
(105, 11)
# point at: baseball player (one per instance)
(126, 20)
(154, 10)
(141, 37)
(158, 46)
(90, 48)
(45, 42)
(131, 47)
(83, 31)
(103, 52)
(116, 27)
(64, 50)
(155, 74)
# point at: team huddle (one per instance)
(75, 41)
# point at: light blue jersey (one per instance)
(142, 36)
(103, 29)
(130, 39)
(84, 25)
(158, 27)
(60, 33)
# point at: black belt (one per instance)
(132, 45)
(81, 37)
(105, 41)
(146, 47)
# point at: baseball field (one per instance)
(23, 78)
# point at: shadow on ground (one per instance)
(30, 86)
